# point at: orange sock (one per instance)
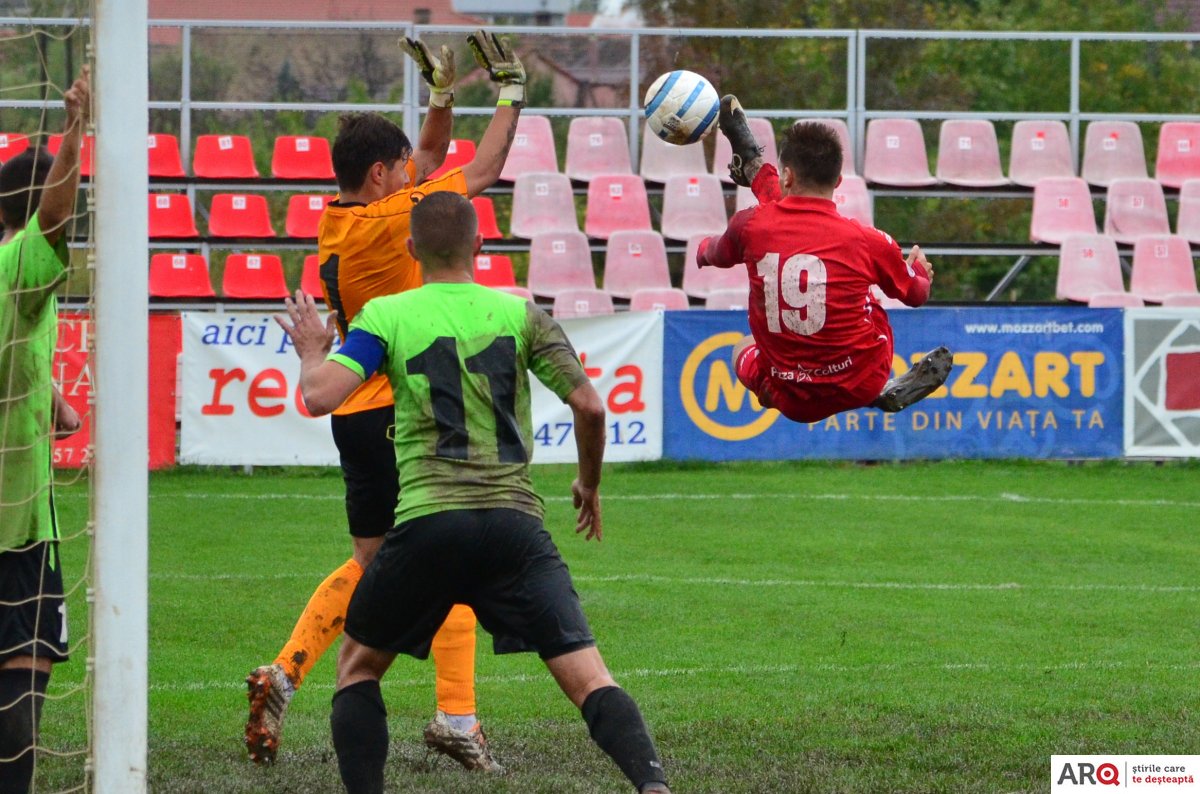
(454, 662)
(320, 623)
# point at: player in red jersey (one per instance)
(820, 342)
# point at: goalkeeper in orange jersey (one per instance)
(362, 255)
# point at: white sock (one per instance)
(461, 722)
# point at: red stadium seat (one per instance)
(1061, 206)
(179, 276)
(533, 150)
(1039, 149)
(853, 200)
(658, 299)
(597, 145)
(1115, 300)
(163, 151)
(254, 276)
(239, 215)
(1187, 223)
(301, 157)
(582, 303)
(1088, 264)
(494, 270)
(1162, 265)
(459, 153)
(171, 215)
(661, 160)
(1135, 207)
(485, 211)
(764, 133)
(698, 282)
(12, 144)
(224, 157)
(693, 205)
(304, 214)
(559, 261)
(87, 149)
(729, 298)
(635, 260)
(969, 154)
(616, 202)
(520, 291)
(1113, 150)
(895, 154)
(310, 277)
(1178, 153)
(543, 203)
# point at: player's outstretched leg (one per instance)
(747, 154)
(270, 691)
(918, 383)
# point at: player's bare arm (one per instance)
(439, 74)
(65, 419)
(324, 384)
(588, 411)
(62, 183)
(504, 68)
(917, 255)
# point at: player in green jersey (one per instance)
(469, 524)
(33, 261)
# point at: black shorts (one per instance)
(365, 442)
(502, 563)
(33, 615)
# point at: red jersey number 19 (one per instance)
(795, 297)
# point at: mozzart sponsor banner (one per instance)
(1027, 382)
(1162, 376)
(1102, 773)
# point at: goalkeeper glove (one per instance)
(438, 74)
(501, 64)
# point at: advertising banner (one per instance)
(1038, 382)
(1162, 373)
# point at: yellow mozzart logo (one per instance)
(721, 388)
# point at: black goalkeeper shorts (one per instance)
(365, 442)
(33, 615)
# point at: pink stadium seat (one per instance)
(254, 276)
(853, 200)
(582, 303)
(597, 145)
(532, 151)
(520, 291)
(494, 270)
(459, 153)
(1115, 300)
(1178, 153)
(843, 133)
(224, 157)
(658, 299)
(12, 144)
(883, 300)
(179, 276)
(310, 277)
(634, 260)
(1088, 264)
(1135, 207)
(87, 150)
(163, 151)
(304, 214)
(616, 202)
(1061, 206)
(485, 211)
(1039, 149)
(698, 282)
(1113, 150)
(693, 205)
(895, 154)
(1187, 223)
(729, 298)
(744, 199)
(1162, 266)
(969, 154)
(1182, 299)
(239, 215)
(543, 202)
(559, 261)
(764, 133)
(661, 160)
(171, 215)
(301, 157)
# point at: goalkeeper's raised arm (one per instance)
(504, 68)
(57, 202)
(439, 74)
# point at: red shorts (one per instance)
(806, 401)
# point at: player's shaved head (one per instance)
(443, 231)
(21, 181)
(364, 139)
(814, 153)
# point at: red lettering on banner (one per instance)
(629, 392)
(259, 390)
(593, 372)
(221, 379)
(301, 408)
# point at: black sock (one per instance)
(360, 737)
(21, 694)
(616, 725)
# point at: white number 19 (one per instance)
(805, 312)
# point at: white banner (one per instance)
(241, 396)
(1162, 382)
(623, 355)
(1078, 774)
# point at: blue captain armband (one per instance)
(362, 352)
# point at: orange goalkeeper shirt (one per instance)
(362, 251)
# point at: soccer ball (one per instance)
(681, 107)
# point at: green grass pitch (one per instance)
(798, 627)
